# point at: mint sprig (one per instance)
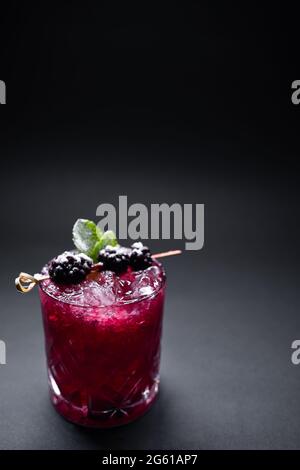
(89, 239)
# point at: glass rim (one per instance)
(116, 304)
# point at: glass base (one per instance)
(92, 414)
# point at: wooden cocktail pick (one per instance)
(166, 253)
(25, 282)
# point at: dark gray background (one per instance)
(179, 106)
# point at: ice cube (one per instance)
(64, 293)
(146, 283)
(123, 290)
(101, 291)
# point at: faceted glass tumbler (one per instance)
(103, 361)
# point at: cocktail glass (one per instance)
(103, 345)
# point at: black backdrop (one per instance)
(188, 105)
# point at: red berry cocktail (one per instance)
(103, 340)
(102, 307)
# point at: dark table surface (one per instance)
(174, 106)
(231, 314)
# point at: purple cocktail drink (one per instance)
(102, 307)
(103, 344)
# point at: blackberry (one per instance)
(69, 268)
(114, 258)
(140, 257)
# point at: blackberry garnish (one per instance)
(114, 258)
(140, 257)
(69, 268)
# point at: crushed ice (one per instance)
(108, 288)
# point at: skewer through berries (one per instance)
(80, 265)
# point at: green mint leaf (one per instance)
(109, 238)
(95, 251)
(89, 238)
(86, 236)
(99, 232)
